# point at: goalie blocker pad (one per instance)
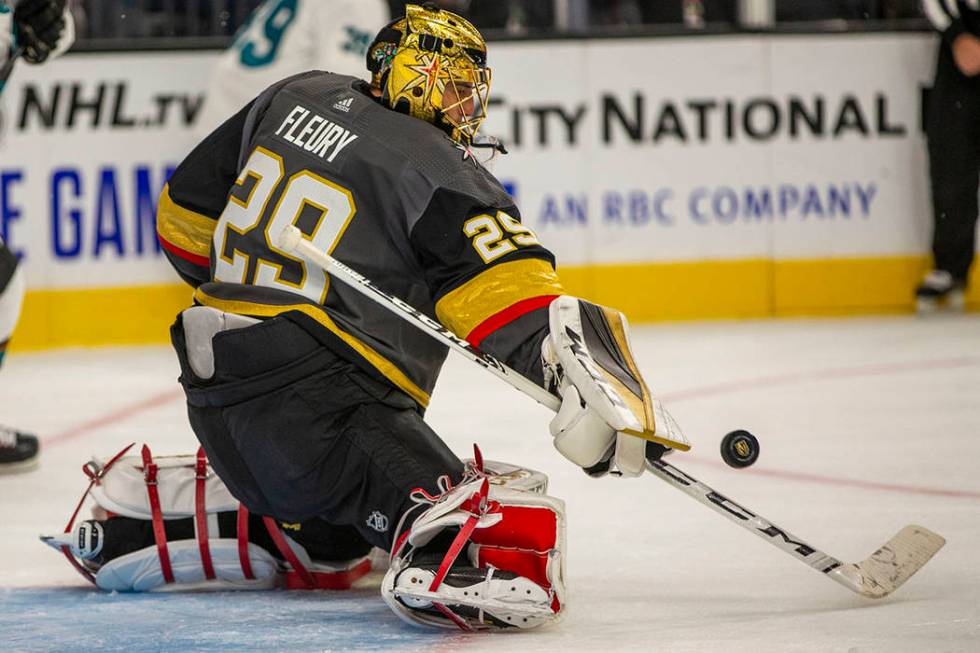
(593, 348)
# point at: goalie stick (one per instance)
(291, 240)
(875, 577)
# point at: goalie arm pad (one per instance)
(607, 409)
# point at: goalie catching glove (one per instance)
(608, 421)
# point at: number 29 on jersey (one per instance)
(248, 228)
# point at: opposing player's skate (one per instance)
(18, 451)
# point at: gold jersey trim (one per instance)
(495, 290)
(186, 229)
(379, 362)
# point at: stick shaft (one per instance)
(422, 321)
(664, 471)
(750, 521)
(849, 575)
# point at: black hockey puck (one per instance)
(739, 449)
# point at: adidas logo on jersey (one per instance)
(344, 105)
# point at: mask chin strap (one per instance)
(491, 143)
(486, 143)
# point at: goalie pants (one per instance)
(296, 432)
(953, 130)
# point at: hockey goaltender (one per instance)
(308, 399)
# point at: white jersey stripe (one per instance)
(6, 32)
(937, 15)
(10, 303)
(953, 8)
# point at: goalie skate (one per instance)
(491, 597)
(18, 451)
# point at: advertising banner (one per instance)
(673, 177)
(691, 149)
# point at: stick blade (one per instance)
(893, 564)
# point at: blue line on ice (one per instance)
(73, 619)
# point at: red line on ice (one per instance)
(119, 415)
(161, 399)
(823, 375)
(830, 480)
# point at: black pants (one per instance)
(953, 129)
(297, 432)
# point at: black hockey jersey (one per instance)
(389, 195)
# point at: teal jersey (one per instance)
(286, 37)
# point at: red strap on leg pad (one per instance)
(201, 513)
(242, 533)
(159, 533)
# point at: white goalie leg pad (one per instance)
(178, 487)
(512, 574)
(140, 571)
(122, 488)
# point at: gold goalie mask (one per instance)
(439, 72)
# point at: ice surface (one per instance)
(866, 425)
